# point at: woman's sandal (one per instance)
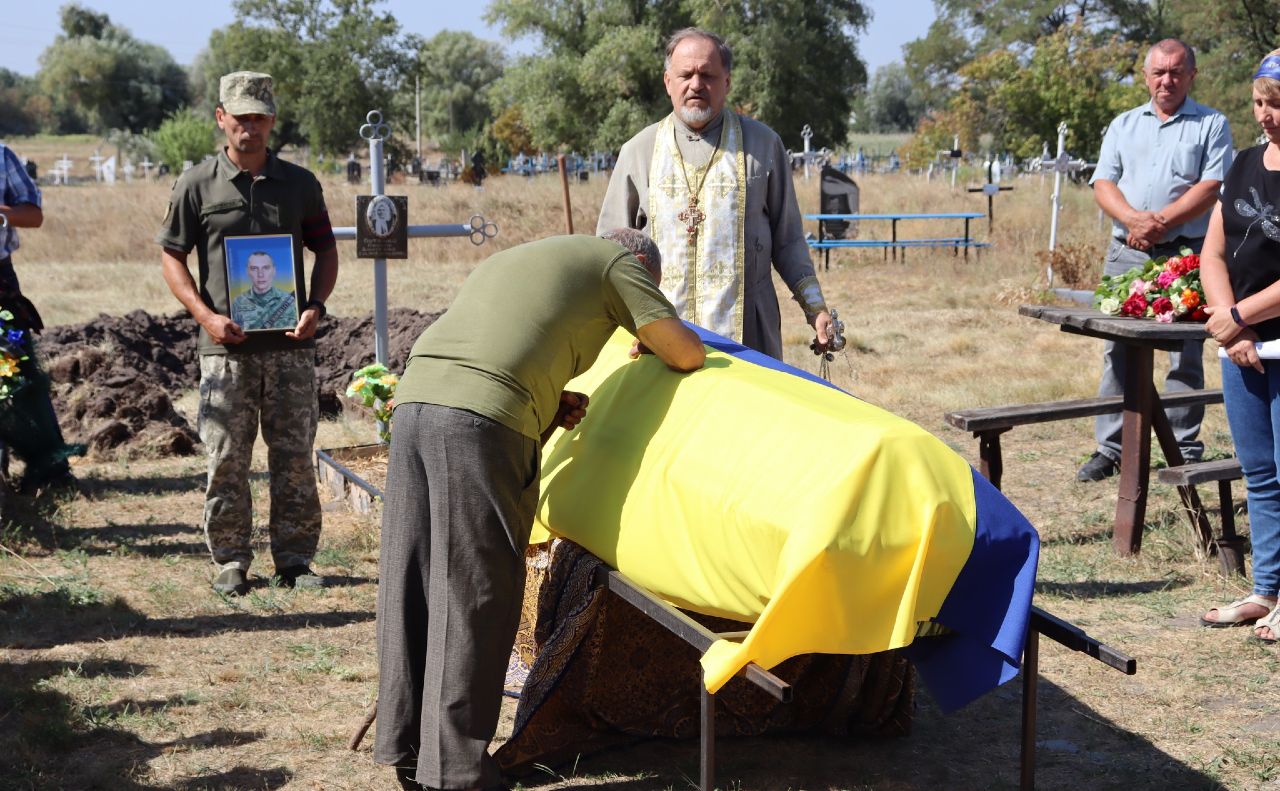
(1232, 614)
(1272, 622)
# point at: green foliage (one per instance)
(24, 109)
(965, 30)
(374, 387)
(891, 103)
(185, 135)
(1230, 39)
(455, 70)
(107, 78)
(332, 62)
(598, 80)
(1020, 101)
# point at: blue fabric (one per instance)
(16, 188)
(1270, 68)
(1155, 162)
(1253, 412)
(723, 344)
(988, 608)
(989, 605)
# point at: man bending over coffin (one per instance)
(482, 387)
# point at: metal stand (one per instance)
(701, 638)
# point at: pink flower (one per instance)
(1165, 278)
(1138, 286)
(1165, 318)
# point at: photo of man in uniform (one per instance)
(263, 306)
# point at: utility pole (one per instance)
(417, 115)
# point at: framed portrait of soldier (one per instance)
(262, 285)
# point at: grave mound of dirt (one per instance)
(115, 377)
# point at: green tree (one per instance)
(332, 61)
(21, 112)
(891, 103)
(109, 79)
(184, 135)
(1020, 100)
(598, 80)
(456, 70)
(1230, 38)
(964, 30)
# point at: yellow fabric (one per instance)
(753, 494)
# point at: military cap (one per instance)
(247, 93)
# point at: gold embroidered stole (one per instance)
(702, 271)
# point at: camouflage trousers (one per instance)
(276, 389)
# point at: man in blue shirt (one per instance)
(39, 441)
(1158, 176)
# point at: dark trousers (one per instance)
(1186, 366)
(460, 500)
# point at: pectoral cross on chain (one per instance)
(692, 217)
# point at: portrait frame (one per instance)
(279, 315)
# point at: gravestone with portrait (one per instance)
(382, 226)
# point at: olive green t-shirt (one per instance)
(524, 323)
(216, 199)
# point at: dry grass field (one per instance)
(120, 669)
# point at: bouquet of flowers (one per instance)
(375, 387)
(1165, 289)
(17, 369)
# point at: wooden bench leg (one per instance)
(990, 463)
(1173, 454)
(1230, 546)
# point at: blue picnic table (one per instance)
(894, 244)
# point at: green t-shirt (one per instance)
(216, 199)
(524, 323)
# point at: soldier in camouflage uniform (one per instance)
(263, 306)
(265, 379)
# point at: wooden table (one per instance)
(1143, 410)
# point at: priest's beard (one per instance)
(696, 117)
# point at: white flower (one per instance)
(1110, 306)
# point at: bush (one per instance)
(184, 136)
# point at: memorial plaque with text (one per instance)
(382, 226)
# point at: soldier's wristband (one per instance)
(1235, 314)
(318, 305)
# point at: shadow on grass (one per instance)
(1092, 589)
(74, 612)
(974, 749)
(50, 741)
(99, 488)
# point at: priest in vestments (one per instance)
(714, 190)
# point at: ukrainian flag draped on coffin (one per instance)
(755, 491)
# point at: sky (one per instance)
(182, 27)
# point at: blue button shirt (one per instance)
(16, 187)
(1155, 162)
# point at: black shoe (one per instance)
(231, 582)
(299, 576)
(1098, 467)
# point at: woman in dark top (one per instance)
(1240, 268)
